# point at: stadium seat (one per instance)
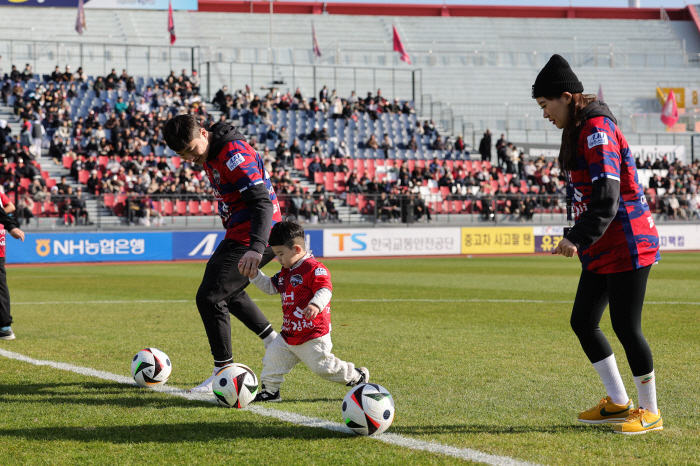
(67, 161)
(318, 178)
(83, 176)
(181, 207)
(50, 209)
(167, 207)
(37, 210)
(206, 207)
(193, 207)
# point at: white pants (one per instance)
(280, 358)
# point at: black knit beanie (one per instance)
(556, 78)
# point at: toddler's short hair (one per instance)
(287, 233)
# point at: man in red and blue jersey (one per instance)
(248, 208)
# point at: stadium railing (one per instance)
(199, 210)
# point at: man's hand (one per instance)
(248, 265)
(566, 248)
(311, 311)
(17, 234)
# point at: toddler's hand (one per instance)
(311, 311)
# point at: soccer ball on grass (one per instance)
(368, 409)
(235, 386)
(151, 367)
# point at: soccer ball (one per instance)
(151, 367)
(235, 386)
(368, 409)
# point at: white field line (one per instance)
(526, 301)
(298, 419)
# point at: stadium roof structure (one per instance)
(688, 13)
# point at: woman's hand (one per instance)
(566, 248)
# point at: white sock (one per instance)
(646, 389)
(268, 339)
(610, 375)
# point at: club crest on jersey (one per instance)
(296, 280)
(597, 139)
(217, 176)
(320, 271)
(234, 161)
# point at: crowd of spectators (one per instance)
(111, 129)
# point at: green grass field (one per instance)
(505, 378)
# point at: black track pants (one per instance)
(222, 293)
(5, 316)
(624, 291)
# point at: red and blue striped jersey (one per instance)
(631, 240)
(236, 168)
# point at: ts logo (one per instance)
(357, 244)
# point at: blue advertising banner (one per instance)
(202, 244)
(107, 4)
(89, 247)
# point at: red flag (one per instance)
(314, 40)
(80, 20)
(171, 24)
(398, 47)
(669, 112)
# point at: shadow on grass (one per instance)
(171, 433)
(488, 429)
(93, 394)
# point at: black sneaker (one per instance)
(267, 395)
(7, 334)
(362, 378)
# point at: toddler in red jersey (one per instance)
(305, 287)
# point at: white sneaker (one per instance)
(205, 387)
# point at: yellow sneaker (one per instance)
(606, 412)
(640, 421)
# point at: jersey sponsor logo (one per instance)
(287, 297)
(320, 272)
(597, 139)
(280, 281)
(235, 161)
(217, 176)
(296, 280)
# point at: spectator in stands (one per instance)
(121, 106)
(387, 144)
(315, 167)
(438, 144)
(93, 183)
(485, 147)
(3, 136)
(272, 133)
(372, 142)
(77, 207)
(25, 209)
(27, 74)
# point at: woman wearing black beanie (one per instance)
(615, 238)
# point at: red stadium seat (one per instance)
(207, 208)
(67, 161)
(167, 207)
(445, 190)
(83, 176)
(329, 181)
(177, 161)
(102, 161)
(37, 209)
(193, 207)
(181, 207)
(50, 209)
(318, 177)
(351, 200)
(109, 200)
(25, 182)
(298, 163)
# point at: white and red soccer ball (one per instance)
(368, 409)
(235, 386)
(151, 367)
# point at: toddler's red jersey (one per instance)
(631, 240)
(297, 286)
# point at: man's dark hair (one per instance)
(287, 233)
(180, 131)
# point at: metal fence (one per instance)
(401, 83)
